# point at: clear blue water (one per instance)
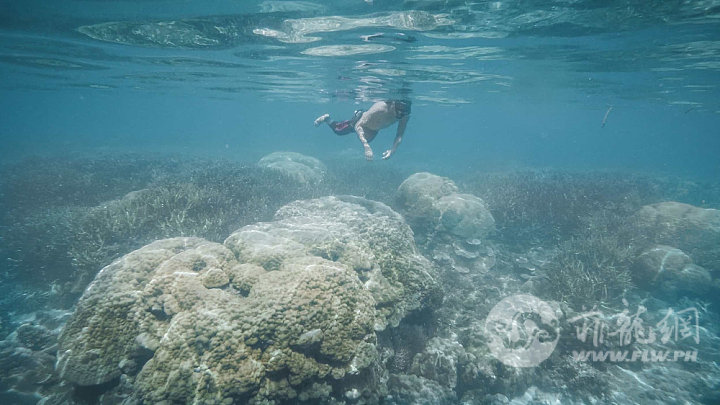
(494, 84)
(567, 117)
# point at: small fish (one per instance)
(395, 37)
(607, 113)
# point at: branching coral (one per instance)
(546, 207)
(55, 227)
(590, 270)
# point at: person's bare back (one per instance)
(381, 115)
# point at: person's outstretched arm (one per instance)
(361, 135)
(398, 136)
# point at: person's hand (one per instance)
(368, 153)
(387, 154)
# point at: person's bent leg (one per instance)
(323, 118)
(341, 128)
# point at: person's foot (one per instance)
(321, 119)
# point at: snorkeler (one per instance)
(367, 123)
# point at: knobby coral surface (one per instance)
(281, 310)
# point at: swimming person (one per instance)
(367, 123)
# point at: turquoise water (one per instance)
(493, 83)
(578, 146)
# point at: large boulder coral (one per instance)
(693, 229)
(417, 198)
(282, 310)
(304, 169)
(432, 205)
(669, 272)
(364, 235)
(465, 216)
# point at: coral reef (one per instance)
(68, 244)
(588, 270)
(281, 310)
(412, 389)
(432, 205)
(374, 182)
(327, 300)
(377, 244)
(441, 361)
(304, 169)
(668, 272)
(40, 183)
(545, 207)
(418, 195)
(27, 356)
(693, 229)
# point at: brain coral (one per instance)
(281, 310)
